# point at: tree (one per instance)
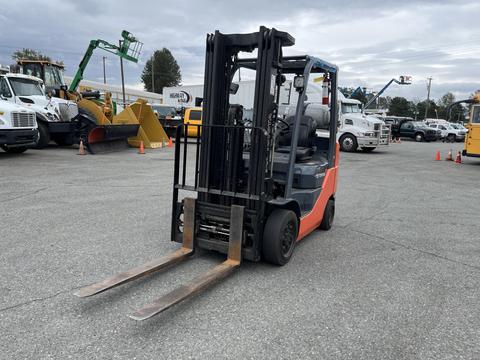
(30, 54)
(166, 71)
(399, 106)
(431, 109)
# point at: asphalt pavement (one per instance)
(397, 276)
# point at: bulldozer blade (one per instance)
(202, 281)
(110, 138)
(181, 254)
(151, 132)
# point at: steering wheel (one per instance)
(287, 125)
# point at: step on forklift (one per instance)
(257, 187)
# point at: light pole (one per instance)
(153, 76)
(428, 96)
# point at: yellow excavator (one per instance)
(97, 124)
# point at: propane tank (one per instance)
(319, 112)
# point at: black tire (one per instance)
(279, 236)
(43, 135)
(348, 143)
(368, 149)
(328, 215)
(451, 138)
(419, 137)
(14, 150)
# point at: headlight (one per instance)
(361, 134)
(370, 134)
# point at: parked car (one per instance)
(418, 131)
(449, 132)
(459, 127)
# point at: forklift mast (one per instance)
(228, 171)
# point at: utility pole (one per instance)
(123, 79)
(428, 95)
(104, 75)
(153, 76)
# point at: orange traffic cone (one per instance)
(141, 150)
(458, 159)
(81, 149)
(170, 142)
(437, 156)
(449, 156)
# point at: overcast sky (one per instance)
(371, 41)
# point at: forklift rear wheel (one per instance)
(348, 143)
(280, 236)
(328, 215)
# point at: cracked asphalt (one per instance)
(397, 277)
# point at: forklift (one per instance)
(256, 188)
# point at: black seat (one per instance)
(306, 138)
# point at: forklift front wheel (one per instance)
(280, 236)
(328, 215)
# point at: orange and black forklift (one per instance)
(258, 187)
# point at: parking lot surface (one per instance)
(397, 277)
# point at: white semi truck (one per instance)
(18, 127)
(356, 130)
(53, 115)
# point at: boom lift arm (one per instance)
(125, 51)
(404, 80)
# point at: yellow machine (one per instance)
(98, 125)
(138, 117)
(193, 116)
(472, 140)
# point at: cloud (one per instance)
(372, 41)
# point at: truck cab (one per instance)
(18, 127)
(358, 130)
(53, 115)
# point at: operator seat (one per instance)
(306, 138)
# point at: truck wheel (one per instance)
(14, 150)
(368, 149)
(328, 215)
(280, 236)
(348, 143)
(43, 135)
(451, 138)
(419, 137)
